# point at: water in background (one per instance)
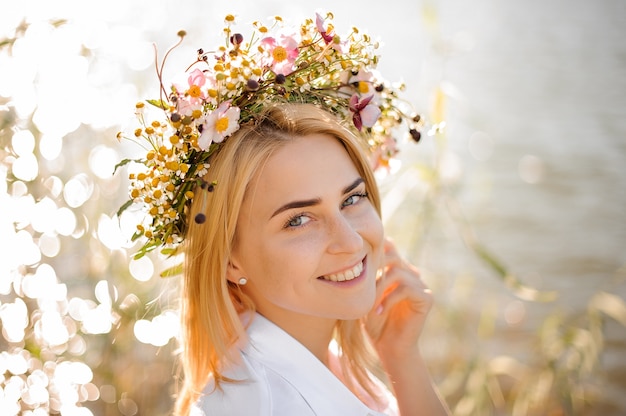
(539, 124)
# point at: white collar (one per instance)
(322, 390)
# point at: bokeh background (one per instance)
(515, 213)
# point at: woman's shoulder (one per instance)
(246, 394)
(255, 390)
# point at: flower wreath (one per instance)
(227, 87)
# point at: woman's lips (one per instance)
(347, 275)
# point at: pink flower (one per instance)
(365, 113)
(191, 96)
(281, 53)
(218, 125)
(328, 34)
(319, 22)
(185, 106)
(196, 81)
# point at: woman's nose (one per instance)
(343, 236)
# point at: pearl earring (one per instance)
(243, 281)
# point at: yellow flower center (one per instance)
(194, 91)
(221, 125)
(364, 87)
(279, 54)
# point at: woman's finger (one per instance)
(391, 255)
(418, 297)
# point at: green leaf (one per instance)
(173, 271)
(169, 251)
(125, 162)
(148, 247)
(123, 207)
(163, 105)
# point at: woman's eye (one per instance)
(297, 221)
(353, 199)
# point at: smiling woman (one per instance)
(262, 176)
(287, 260)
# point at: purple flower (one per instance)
(365, 114)
(319, 22)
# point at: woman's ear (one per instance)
(233, 272)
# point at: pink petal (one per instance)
(354, 102)
(289, 42)
(319, 22)
(196, 77)
(356, 119)
(204, 141)
(271, 42)
(369, 115)
(365, 101)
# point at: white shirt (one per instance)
(282, 377)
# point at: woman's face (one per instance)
(309, 241)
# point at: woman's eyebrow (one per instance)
(314, 201)
(353, 185)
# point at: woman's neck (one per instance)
(313, 332)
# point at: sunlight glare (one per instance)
(26, 167)
(103, 292)
(78, 190)
(109, 232)
(64, 221)
(25, 250)
(102, 160)
(41, 214)
(141, 269)
(50, 146)
(23, 142)
(14, 317)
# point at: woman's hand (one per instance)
(394, 326)
(402, 304)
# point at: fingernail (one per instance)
(379, 309)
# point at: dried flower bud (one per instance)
(200, 218)
(175, 117)
(252, 85)
(280, 79)
(415, 135)
(236, 39)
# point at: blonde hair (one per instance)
(210, 305)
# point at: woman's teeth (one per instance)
(347, 275)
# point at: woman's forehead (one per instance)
(306, 167)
